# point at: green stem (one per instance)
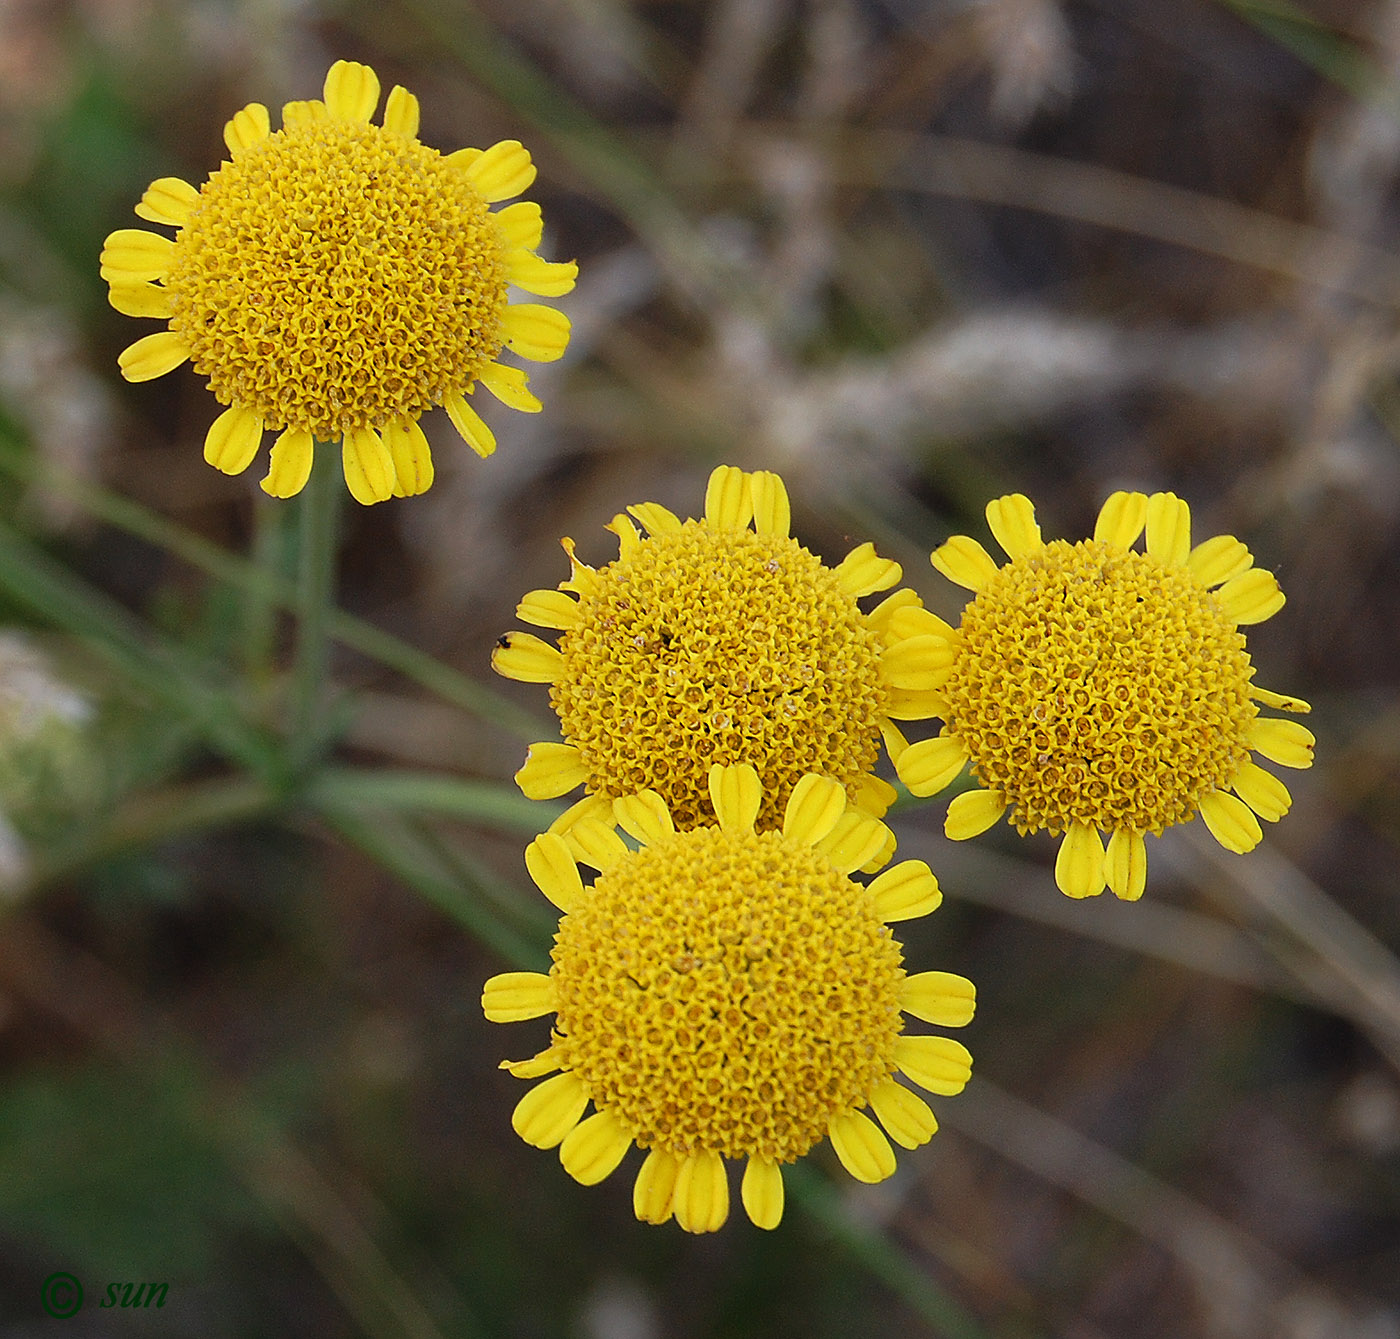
(383, 647)
(320, 502)
(260, 605)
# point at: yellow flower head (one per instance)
(337, 279)
(728, 993)
(1097, 689)
(712, 642)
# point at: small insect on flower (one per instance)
(338, 279)
(1094, 689)
(727, 993)
(723, 640)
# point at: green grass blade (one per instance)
(51, 593)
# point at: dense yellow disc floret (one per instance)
(1098, 684)
(1093, 688)
(708, 642)
(721, 993)
(337, 279)
(727, 1018)
(713, 646)
(329, 315)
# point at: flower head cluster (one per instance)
(725, 992)
(338, 279)
(1096, 689)
(720, 641)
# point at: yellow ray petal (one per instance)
(550, 1110)
(1216, 560)
(762, 1192)
(368, 466)
(628, 536)
(862, 571)
(469, 423)
(501, 171)
(233, 440)
(1285, 742)
(1262, 791)
(134, 256)
(653, 1191)
(1125, 865)
(972, 812)
(737, 795)
(520, 225)
(655, 518)
(536, 1067)
(856, 841)
(884, 853)
(593, 1148)
(289, 467)
(813, 809)
(135, 299)
(582, 578)
(1079, 868)
(1231, 822)
(644, 816)
(153, 356)
(1280, 701)
(874, 795)
(904, 891)
(1168, 529)
(963, 560)
(462, 159)
(914, 620)
(511, 386)
(547, 278)
(168, 200)
(550, 770)
(905, 1115)
(881, 618)
(594, 842)
(943, 998)
(591, 806)
(1251, 597)
(915, 704)
(1121, 519)
(526, 658)
(931, 764)
(893, 739)
(555, 874)
(401, 112)
(701, 1197)
(937, 1064)
(863, 1149)
(513, 997)
(351, 91)
(772, 513)
(548, 609)
(918, 663)
(1013, 524)
(728, 502)
(535, 331)
(303, 112)
(246, 129)
(412, 457)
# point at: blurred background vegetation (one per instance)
(911, 255)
